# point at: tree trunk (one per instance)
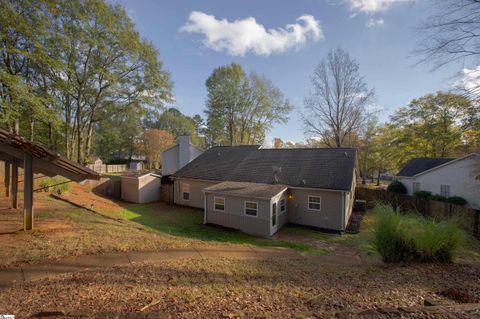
(68, 119)
(16, 127)
(30, 128)
(80, 151)
(89, 139)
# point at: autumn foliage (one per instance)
(152, 143)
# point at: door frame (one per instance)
(273, 228)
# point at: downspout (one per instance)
(343, 213)
(204, 208)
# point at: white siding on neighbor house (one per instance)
(462, 177)
(179, 155)
(170, 161)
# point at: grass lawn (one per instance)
(213, 287)
(63, 230)
(188, 223)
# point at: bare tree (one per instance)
(453, 35)
(336, 107)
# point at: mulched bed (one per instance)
(354, 223)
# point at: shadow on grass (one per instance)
(187, 222)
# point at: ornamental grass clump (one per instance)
(403, 238)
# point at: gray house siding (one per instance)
(334, 214)
(234, 215)
(330, 216)
(196, 192)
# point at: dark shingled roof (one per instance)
(246, 189)
(418, 165)
(327, 168)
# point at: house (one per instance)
(258, 190)
(135, 165)
(179, 155)
(444, 176)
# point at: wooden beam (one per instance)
(28, 192)
(43, 165)
(15, 183)
(6, 180)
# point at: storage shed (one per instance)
(141, 188)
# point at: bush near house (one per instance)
(397, 187)
(422, 194)
(454, 200)
(403, 238)
(438, 198)
(457, 200)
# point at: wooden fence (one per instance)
(468, 217)
(108, 168)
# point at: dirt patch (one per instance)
(82, 195)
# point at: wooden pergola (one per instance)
(17, 153)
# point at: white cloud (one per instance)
(372, 6)
(372, 23)
(470, 80)
(246, 35)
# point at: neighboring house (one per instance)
(259, 190)
(135, 165)
(444, 176)
(179, 155)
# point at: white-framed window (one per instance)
(314, 202)
(251, 208)
(283, 205)
(186, 192)
(219, 204)
(445, 190)
(415, 187)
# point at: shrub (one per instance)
(397, 187)
(457, 200)
(422, 194)
(62, 187)
(400, 238)
(57, 185)
(438, 198)
(45, 184)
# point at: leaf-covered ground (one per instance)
(226, 288)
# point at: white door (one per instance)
(273, 228)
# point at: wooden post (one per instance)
(28, 192)
(6, 180)
(14, 183)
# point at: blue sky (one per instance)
(382, 50)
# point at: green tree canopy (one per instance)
(433, 125)
(85, 62)
(241, 107)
